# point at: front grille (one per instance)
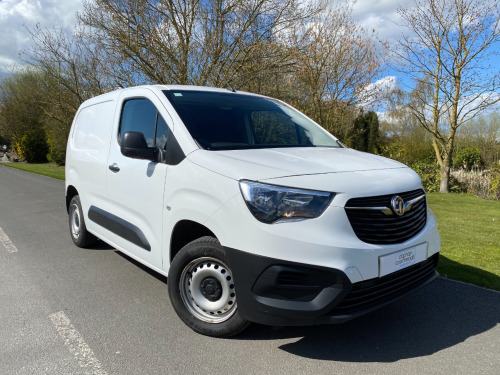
(375, 227)
(366, 294)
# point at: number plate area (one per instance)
(401, 259)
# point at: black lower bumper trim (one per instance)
(373, 292)
(281, 293)
(337, 317)
(276, 292)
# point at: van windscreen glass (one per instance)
(230, 121)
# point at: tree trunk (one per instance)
(448, 155)
(446, 167)
(444, 186)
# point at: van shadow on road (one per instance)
(434, 318)
(146, 269)
(439, 316)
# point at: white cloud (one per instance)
(471, 102)
(376, 92)
(15, 15)
(382, 16)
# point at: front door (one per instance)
(135, 187)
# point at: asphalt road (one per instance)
(64, 310)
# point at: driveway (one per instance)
(65, 310)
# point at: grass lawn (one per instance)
(50, 170)
(470, 238)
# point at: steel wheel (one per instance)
(202, 289)
(77, 228)
(75, 221)
(207, 290)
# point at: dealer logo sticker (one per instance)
(404, 258)
(401, 259)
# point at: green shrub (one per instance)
(57, 152)
(429, 173)
(408, 154)
(57, 138)
(495, 182)
(467, 158)
(32, 146)
(457, 186)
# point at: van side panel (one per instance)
(92, 129)
(88, 150)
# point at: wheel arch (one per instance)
(70, 193)
(184, 232)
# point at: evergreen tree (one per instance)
(372, 141)
(365, 133)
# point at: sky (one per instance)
(18, 15)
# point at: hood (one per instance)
(262, 164)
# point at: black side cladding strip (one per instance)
(119, 227)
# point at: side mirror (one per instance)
(134, 146)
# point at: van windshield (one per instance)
(230, 121)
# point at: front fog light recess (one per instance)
(270, 203)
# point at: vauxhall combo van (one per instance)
(253, 211)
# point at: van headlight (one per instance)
(270, 203)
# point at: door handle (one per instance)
(114, 168)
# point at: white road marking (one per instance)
(76, 344)
(6, 242)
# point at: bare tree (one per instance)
(189, 41)
(405, 139)
(483, 132)
(72, 72)
(71, 60)
(336, 60)
(447, 53)
(319, 61)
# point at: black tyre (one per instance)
(79, 234)
(202, 290)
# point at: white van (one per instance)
(253, 211)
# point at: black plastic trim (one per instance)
(134, 146)
(342, 318)
(281, 293)
(174, 154)
(119, 227)
(264, 296)
(370, 295)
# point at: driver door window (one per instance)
(141, 115)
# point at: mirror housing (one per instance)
(134, 146)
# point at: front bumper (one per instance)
(282, 293)
(327, 241)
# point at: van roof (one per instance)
(194, 88)
(112, 95)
